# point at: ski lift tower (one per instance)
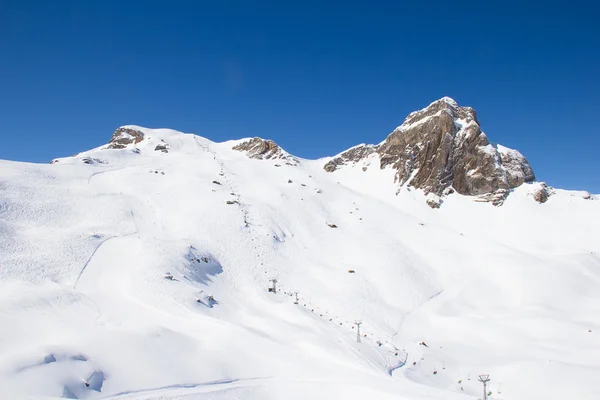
(357, 323)
(274, 288)
(484, 379)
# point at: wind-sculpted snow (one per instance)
(139, 277)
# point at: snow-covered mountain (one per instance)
(141, 270)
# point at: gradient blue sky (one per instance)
(315, 76)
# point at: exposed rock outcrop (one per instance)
(125, 136)
(434, 201)
(164, 147)
(518, 170)
(497, 198)
(92, 160)
(352, 155)
(442, 146)
(262, 149)
(542, 193)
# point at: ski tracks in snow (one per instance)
(88, 261)
(221, 384)
(145, 217)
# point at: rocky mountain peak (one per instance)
(442, 147)
(264, 149)
(124, 136)
(444, 105)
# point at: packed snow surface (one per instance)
(144, 275)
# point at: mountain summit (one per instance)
(442, 147)
(439, 149)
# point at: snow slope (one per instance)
(86, 310)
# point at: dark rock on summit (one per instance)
(125, 136)
(262, 149)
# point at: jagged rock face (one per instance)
(264, 150)
(442, 146)
(123, 137)
(353, 155)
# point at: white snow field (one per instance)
(86, 310)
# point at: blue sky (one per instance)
(315, 76)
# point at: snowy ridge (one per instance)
(144, 275)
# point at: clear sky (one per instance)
(315, 76)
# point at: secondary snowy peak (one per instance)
(262, 149)
(441, 147)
